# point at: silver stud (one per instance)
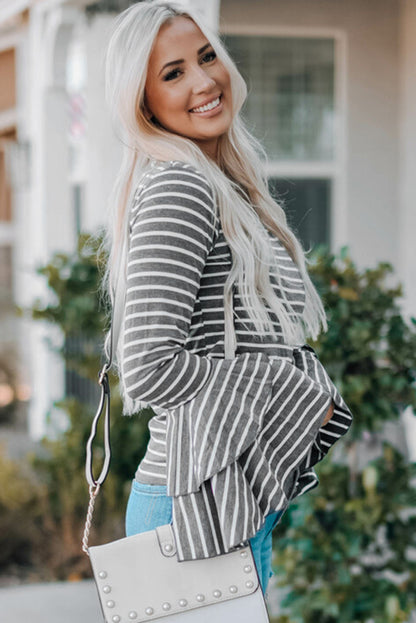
(116, 618)
(247, 569)
(166, 605)
(149, 611)
(106, 589)
(110, 603)
(243, 554)
(168, 547)
(133, 614)
(183, 603)
(217, 593)
(102, 575)
(249, 584)
(233, 588)
(200, 597)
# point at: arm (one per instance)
(329, 414)
(173, 231)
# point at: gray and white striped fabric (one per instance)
(234, 439)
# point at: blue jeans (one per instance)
(149, 507)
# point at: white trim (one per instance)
(50, 5)
(9, 9)
(269, 30)
(12, 39)
(8, 119)
(336, 170)
(339, 211)
(296, 168)
(7, 234)
(65, 17)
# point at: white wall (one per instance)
(407, 179)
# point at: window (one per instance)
(291, 109)
(307, 206)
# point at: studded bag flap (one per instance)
(140, 579)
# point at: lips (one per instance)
(209, 101)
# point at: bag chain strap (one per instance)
(104, 405)
(88, 521)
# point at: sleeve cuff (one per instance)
(296, 412)
(327, 435)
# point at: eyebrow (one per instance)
(181, 60)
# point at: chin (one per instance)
(223, 129)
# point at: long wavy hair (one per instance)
(246, 207)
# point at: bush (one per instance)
(344, 549)
(20, 512)
(78, 311)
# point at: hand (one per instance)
(329, 414)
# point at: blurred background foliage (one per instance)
(343, 552)
(58, 484)
(108, 6)
(346, 551)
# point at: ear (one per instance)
(150, 116)
(147, 113)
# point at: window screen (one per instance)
(290, 105)
(307, 206)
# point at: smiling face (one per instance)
(188, 89)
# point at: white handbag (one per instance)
(139, 578)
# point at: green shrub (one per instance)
(79, 311)
(343, 549)
(20, 512)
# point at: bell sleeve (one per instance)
(234, 497)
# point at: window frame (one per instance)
(336, 170)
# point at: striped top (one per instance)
(233, 439)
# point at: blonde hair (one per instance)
(245, 205)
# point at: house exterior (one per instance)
(332, 94)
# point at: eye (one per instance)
(171, 75)
(209, 56)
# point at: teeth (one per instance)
(209, 106)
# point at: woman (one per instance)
(218, 302)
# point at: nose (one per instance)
(201, 80)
